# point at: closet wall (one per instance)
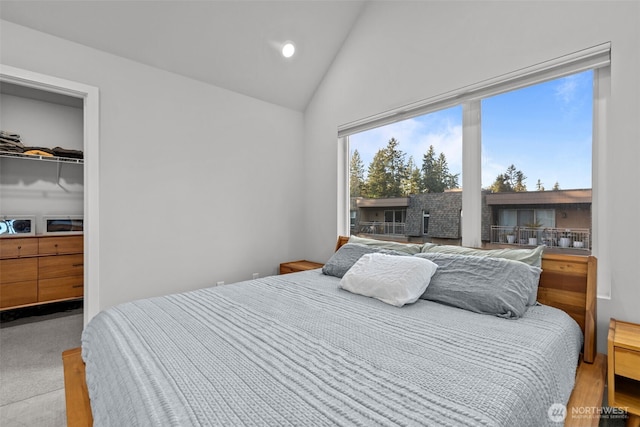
(35, 187)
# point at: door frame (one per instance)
(91, 144)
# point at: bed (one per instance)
(297, 349)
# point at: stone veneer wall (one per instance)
(444, 215)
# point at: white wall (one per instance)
(30, 187)
(402, 52)
(197, 184)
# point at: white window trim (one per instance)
(344, 201)
(597, 58)
(590, 58)
(599, 218)
(471, 174)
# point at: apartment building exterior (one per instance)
(559, 219)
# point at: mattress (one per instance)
(297, 350)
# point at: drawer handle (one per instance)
(77, 286)
(78, 265)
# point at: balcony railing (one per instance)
(377, 227)
(576, 238)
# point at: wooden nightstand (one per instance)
(624, 368)
(301, 265)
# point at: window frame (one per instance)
(597, 58)
(519, 222)
(425, 224)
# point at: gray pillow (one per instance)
(410, 248)
(528, 256)
(496, 286)
(348, 254)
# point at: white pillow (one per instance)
(395, 280)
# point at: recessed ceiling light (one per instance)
(288, 50)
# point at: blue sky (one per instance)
(544, 130)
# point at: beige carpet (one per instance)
(31, 375)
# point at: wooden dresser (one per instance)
(39, 270)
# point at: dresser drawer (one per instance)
(60, 288)
(627, 363)
(60, 245)
(18, 270)
(61, 266)
(15, 248)
(18, 293)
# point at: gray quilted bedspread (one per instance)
(297, 350)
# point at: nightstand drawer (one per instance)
(296, 266)
(286, 269)
(627, 363)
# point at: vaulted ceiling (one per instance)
(231, 44)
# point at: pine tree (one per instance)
(413, 182)
(512, 180)
(435, 173)
(377, 176)
(396, 167)
(520, 185)
(500, 185)
(539, 186)
(556, 186)
(447, 180)
(387, 172)
(453, 181)
(389, 175)
(356, 176)
(429, 173)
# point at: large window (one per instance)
(539, 137)
(537, 142)
(410, 158)
(419, 155)
(528, 132)
(541, 129)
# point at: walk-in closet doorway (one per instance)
(90, 104)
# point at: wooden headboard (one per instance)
(567, 282)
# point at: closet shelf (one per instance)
(8, 154)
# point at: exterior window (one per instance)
(533, 148)
(524, 217)
(536, 151)
(528, 138)
(425, 222)
(394, 222)
(418, 158)
(545, 217)
(395, 216)
(508, 218)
